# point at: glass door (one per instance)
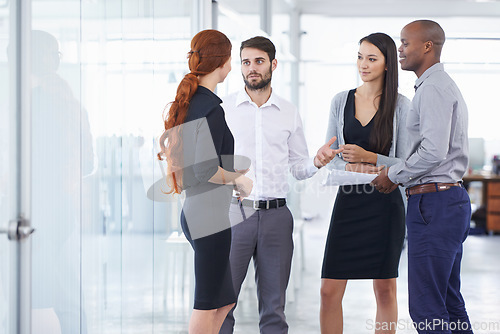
(15, 208)
(6, 171)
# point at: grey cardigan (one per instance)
(399, 147)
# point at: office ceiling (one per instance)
(332, 8)
(370, 8)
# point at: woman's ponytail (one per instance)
(210, 49)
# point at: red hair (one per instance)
(210, 49)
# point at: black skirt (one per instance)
(366, 234)
(205, 223)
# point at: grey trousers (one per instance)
(265, 236)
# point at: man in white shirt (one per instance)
(268, 130)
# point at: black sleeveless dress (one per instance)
(367, 227)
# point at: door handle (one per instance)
(17, 229)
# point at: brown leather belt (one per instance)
(430, 188)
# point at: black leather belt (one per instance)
(262, 205)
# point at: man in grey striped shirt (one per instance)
(438, 216)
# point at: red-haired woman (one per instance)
(198, 147)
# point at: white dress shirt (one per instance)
(273, 138)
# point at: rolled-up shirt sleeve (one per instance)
(301, 165)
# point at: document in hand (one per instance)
(345, 178)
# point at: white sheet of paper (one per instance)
(345, 178)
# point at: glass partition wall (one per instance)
(108, 254)
(106, 257)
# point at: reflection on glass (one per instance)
(60, 129)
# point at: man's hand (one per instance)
(383, 184)
(355, 153)
(326, 154)
(363, 168)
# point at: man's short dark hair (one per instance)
(260, 43)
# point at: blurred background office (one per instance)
(108, 255)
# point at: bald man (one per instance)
(438, 216)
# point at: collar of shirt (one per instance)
(272, 137)
(244, 97)
(434, 68)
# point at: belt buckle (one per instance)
(256, 205)
(267, 205)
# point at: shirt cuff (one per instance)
(382, 160)
(310, 167)
(393, 172)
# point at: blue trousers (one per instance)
(437, 225)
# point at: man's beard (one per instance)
(258, 85)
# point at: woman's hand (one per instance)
(354, 153)
(363, 168)
(243, 186)
(242, 171)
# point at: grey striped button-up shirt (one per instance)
(437, 127)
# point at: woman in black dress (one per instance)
(367, 228)
(198, 147)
